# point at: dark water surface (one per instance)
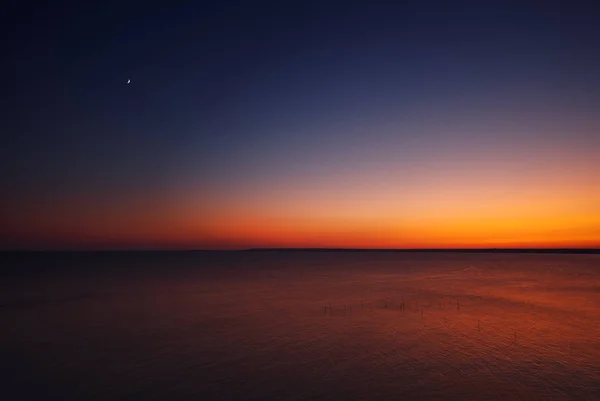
(295, 326)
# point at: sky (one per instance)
(358, 124)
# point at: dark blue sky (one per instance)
(230, 96)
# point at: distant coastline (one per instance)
(306, 250)
(435, 250)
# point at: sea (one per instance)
(299, 326)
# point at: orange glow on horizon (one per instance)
(461, 208)
(429, 224)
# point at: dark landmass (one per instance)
(435, 250)
(397, 250)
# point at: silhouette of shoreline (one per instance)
(436, 250)
(361, 250)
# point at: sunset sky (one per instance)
(310, 124)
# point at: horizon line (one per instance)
(318, 249)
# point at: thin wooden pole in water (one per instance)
(457, 304)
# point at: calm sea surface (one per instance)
(300, 326)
